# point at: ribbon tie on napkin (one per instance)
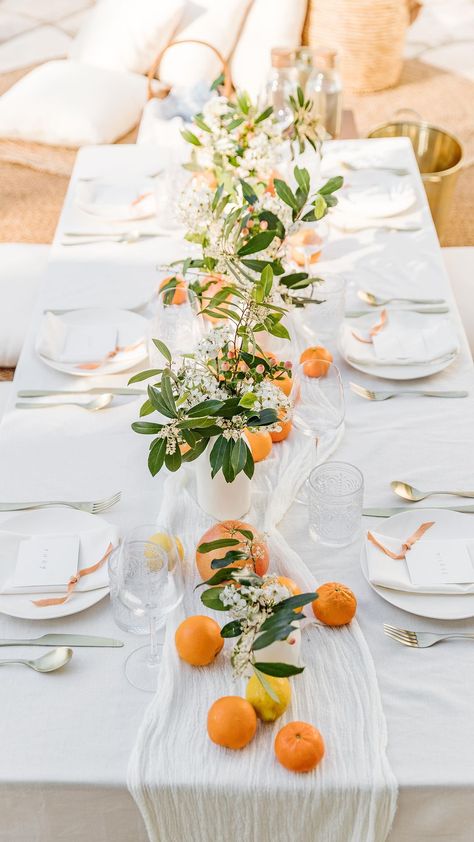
(407, 545)
(109, 356)
(60, 600)
(374, 331)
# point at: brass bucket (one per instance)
(439, 156)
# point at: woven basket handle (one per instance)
(155, 68)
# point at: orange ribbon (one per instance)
(110, 355)
(60, 600)
(141, 197)
(408, 543)
(374, 331)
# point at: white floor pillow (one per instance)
(218, 22)
(67, 103)
(21, 268)
(459, 263)
(269, 23)
(127, 34)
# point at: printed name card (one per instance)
(45, 562)
(441, 562)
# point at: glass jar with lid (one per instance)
(282, 82)
(324, 86)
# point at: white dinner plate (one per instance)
(134, 325)
(375, 195)
(51, 521)
(122, 202)
(447, 525)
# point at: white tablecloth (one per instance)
(66, 737)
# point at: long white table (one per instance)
(66, 737)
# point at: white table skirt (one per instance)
(66, 737)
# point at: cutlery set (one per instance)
(61, 654)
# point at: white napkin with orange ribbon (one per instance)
(117, 201)
(406, 339)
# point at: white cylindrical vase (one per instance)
(220, 499)
(282, 651)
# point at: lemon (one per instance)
(161, 539)
(265, 707)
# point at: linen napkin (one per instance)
(63, 341)
(379, 194)
(92, 547)
(116, 201)
(392, 573)
(406, 339)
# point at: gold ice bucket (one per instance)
(439, 156)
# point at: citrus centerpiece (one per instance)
(231, 722)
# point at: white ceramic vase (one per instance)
(223, 500)
(282, 651)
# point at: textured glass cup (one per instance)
(123, 616)
(336, 491)
(179, 325)
(320, 320)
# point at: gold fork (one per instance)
(420, 640)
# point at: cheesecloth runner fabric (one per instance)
(190, 790)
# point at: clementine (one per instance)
(231, 722)
(284, 382)
(180, 294)
(336, 604)
(257, 555)
(315, 361)
(198, 640)
(260, 444)
(299, 746)
(291, 585)
(283, 433)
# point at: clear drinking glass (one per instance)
(321, 318)
(124, 618)
(318, 403)
(306, 245)
(336, 491)
(168, 188)
(177, 321)
(151, 586)
(324, 87)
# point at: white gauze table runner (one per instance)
(190, 790)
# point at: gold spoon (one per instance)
(414, 495)
(375, 301)
(49, 662)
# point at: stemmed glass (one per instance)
(318, 403)
(307, 242)
(176, 321)
(151, 586)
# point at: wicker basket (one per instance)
(163, 91)
(369, 35)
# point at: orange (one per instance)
(283, 433)
(258, 555)
(198, 640)
(260, 444)
(283, 382)
(184, 448)
(336, 604)
(180, 294)
(291, 585)
(231, 722)
(315, 361)
(299, 746)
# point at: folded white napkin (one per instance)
(379, 194)
(406, 339)
(92, 547)
(392, 573)
(64, 341)
(117, 201)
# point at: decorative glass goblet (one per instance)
(318, 403)
(177, 322)
(151, 586)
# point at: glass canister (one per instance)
(324, 86)
(281, 83)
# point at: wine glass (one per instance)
(318, 403)
(177, 321)
(306, 244)
(151, 586)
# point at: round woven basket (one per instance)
(369, 35)
(163, 90)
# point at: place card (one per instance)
(83, 343)
(45, 563)
(441, 562)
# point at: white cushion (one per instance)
(214, 21)
(66, 103)
(277, 23)
(459, 263)
(21, 269)
(127, 34)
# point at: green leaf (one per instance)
(296, 601)
(216, 456)
(246, 533)
(146, 409)
(267, 279)
(230, 557)
(248, 193)
(219, 544)
(300, 95)
(156, 456)
(190, 137)
(302, 179)
(258, 265)
(146, 428)
(263, 116)
(332, 185)
(173, 460)
(227, 467)
(280, 331)
(163, 349)
(239, 456)
(319, 207)
(286, 194)
(290, 280)
(167, 393)
(278, 670)
(218, 82)
(248, 400)
(208, 407)
(223, 575)
(266, 638)
(235, 124)
(232, 629)
(196, 450)
(257, 243)
(144, 375)
(158, 402)
(266, 685)
(249, 467)
(211, 599)
(198, 119)
(217, 196)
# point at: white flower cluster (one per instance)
(198, 384)
(270, 396)
(211, 345)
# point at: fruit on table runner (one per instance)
(299, 746)
(292, 587)
(231, 722)
(260, 444)
(198, 640)
(336, 604)
(315, 361)
(180, 294)
(239, 537)
(266, 708)
(283, 433)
